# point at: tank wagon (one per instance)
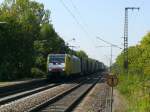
(65, 65)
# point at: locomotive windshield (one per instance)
(57, 59)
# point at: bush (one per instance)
(37, 73)
(136, 90)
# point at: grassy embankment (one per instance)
(136, 90)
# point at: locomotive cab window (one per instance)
(57, 59)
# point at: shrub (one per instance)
(36, 73)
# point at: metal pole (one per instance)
(110, 56)
(126, 37)
(126, 41)
(111, 45)
(111, 99)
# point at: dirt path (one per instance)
(98, 100)
(119, 104)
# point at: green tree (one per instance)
(17, 53)
(138, 57)
(27, 39)
(81, 54)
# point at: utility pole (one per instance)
(111, 52)
(111, 46)
(111, 56)
(126, 36)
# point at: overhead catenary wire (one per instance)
(82, 26)
(76, 9)
(109, 43)
(78, 12)
(74, 17)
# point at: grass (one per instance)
(136, 89)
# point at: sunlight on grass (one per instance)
(136, 90)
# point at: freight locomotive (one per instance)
(65, 65)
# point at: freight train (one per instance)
(65, 65)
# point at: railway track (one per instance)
(20, 87)
(16, 96)
(50, 95)
(68, 100)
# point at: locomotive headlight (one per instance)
(49, 69)
(63, 68)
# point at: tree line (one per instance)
(138, 58)
(135, 85)
(27, 36)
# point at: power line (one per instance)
(82, 20)
(86, 25)
(80, 25)
(74, 17)
(78, 12)
(76, 9)
(109, 43)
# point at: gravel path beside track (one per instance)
(97, 100)
(120, 104)
(26, 103)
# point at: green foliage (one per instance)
(138, 58)
(37, 73)
(17, 37)
(135, 86)
(81, 54)
(26, 39)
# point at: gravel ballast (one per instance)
(96, 100)
(24, 104)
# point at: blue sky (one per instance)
(103, 18)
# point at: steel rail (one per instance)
(26, 93)
(20, 87)
(78, 99)
(63, 94)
